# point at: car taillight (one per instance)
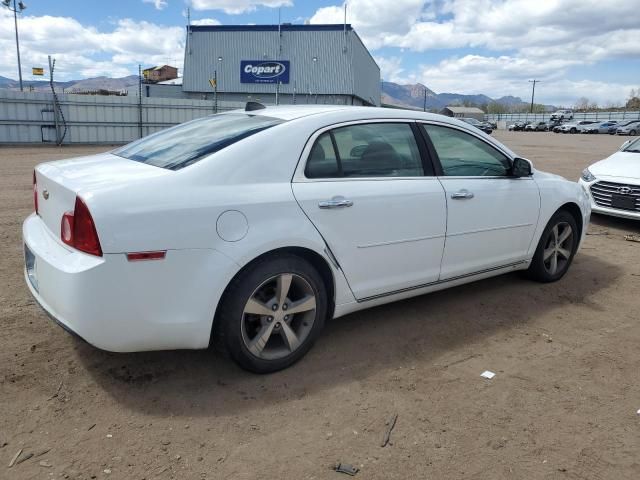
(35, 192)
(78, 230)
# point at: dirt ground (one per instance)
(562, 405)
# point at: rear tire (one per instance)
(271, 314)
(632, 133)
(556, 248)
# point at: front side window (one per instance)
(366, 150)
(185, 144)
(464, 155)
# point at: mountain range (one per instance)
(392, 93)
(96, 83)
(414, 96)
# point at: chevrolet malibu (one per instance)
(250, 229)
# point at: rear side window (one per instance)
(366, 150)
(185, 144)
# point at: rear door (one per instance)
(492, 216)
(369, 190)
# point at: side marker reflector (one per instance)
(141, 256)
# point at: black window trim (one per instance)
(426, 159)
(438, 165)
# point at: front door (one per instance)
(365, 189)
(491, 216)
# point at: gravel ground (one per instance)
(562, 404)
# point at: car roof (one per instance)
(348, 112)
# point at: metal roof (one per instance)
(463, 109)
(283, 27)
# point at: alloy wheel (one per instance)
(278, 316)
(558, 248)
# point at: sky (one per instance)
(576, 48)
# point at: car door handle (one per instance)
(462, 194)
(336, 202)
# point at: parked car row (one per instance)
(612, 127)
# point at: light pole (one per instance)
(16, 9)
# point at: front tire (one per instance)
(556, 248)
(632, 133)
(272, 313)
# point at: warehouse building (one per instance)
(324, 64)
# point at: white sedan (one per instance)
(613, 184)
(251, 228)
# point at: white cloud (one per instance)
(391, 69)
(206, 21)
(504, 75)
(236, 7)
(518, 39)
(84, 51)
(159, 4)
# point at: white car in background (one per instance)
(562, 115)
(614, 183)
(251, 228)
(577, 127)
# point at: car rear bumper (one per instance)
(124, 306)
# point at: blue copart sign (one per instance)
(264, 71)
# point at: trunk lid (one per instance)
(59, 182)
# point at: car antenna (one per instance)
(251, 106)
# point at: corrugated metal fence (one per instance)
(577, 116)
(31, 117)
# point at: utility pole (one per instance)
(424, 105)
(215, 91)
(16, 9)
(533, 91)
(140, 101)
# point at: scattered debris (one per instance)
(346, 468)
(3, 444)
(32, 348)
(107, 471)
(57, 391)
(488, 374)
(391, 423)
(44, 463)
(15, 457)
(632, 238)
(638, 412)
(109, 435)
(42, 452)
(605, 232)
(91, 427)
(25, 458)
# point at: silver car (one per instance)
(629, 129)
(600, 127)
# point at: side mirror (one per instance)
(521, 168)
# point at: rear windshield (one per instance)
(185, 144)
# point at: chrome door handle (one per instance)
(335, 202)
(462, 194)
